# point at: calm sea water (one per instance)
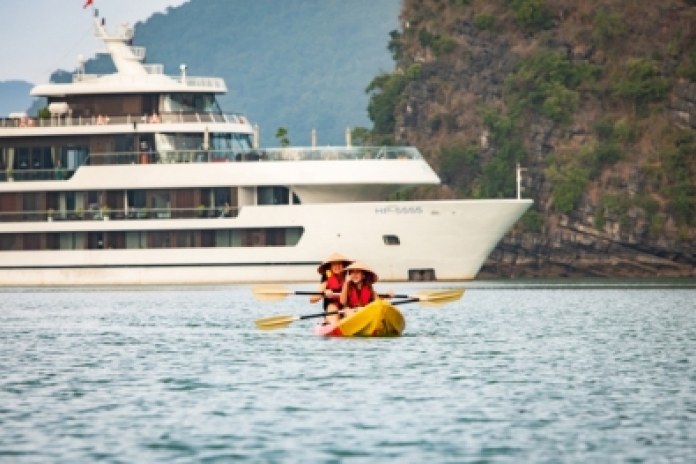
(511, 373)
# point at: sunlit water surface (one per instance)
(508, 374)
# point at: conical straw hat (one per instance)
(334, 258)
(358, 266)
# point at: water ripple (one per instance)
(537, 374)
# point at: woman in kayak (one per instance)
(333, 274)
(357, 290)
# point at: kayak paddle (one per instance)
(280, 292)
(426, 298)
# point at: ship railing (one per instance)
(104, 120)
(265, 155)
(213, 83)
(140, 52)
(23, 175)
(214, 156)
(154, 68)
(132, 213)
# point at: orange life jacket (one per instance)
(358, 298)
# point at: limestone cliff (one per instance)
(596, 98)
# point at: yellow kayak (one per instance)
(378, 319)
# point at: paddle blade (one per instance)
(270, 292)
(275, 322)
(435, 299)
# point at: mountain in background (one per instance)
(14, 97)
(299, 64)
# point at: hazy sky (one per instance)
(39, 36)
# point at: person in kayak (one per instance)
(333, 274)
(357, 289)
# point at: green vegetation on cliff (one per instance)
(596, 98)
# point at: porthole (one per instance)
(391, 240)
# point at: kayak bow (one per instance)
(378, 319)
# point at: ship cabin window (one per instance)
(161, 205)
(141, 240)
(137, 199)
(421, 275)
(273, 196)
(391, 240)
(8, 242)
(190, 103)
(170, 142)
(230, 147)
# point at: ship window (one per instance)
(273, 196)
(8, 242)
(95, 240)
(72, 241)
(391, 240)
(159, 239)
(421, 275)
(137, 199)
(220, 238)
(161, 205)
(184, 239)
(22, 159)
(136, 240)
(189, 102)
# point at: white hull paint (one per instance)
(453, 238)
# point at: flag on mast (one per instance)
(88, 3)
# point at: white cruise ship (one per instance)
(139, 178)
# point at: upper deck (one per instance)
(132, 76)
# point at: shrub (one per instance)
(414, 72)
(443, 120)
(647, 204)
(498, 180)
(606, 27)
(444, 46)
(455, 160)
(657, 224)
(683, 234)
(360, 136)
(682, 202)
(484, 21)
(599, 219)
(440, 45)
(568, 187)
(395, 46)
(623, 132)
(604, 128)
(531, 14)
(533, 220)
(609, 131)
(385, 92)
(501, 126)
(546, 82)
(282, 136)
(687, 69)
(643, 82)
(607, 153)
(425, 38)
(559, 102)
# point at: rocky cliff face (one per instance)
(597, 99)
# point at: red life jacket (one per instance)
(335, 284)
(358, 298)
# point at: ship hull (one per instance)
(444, 240)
